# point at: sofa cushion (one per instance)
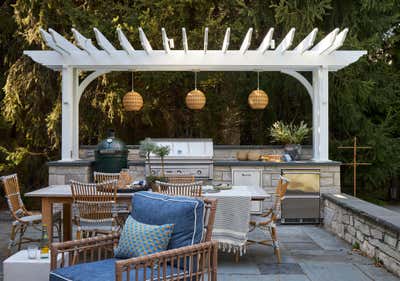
(185, 213)
(104, 270)
(140, 239)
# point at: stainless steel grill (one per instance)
(187, 157)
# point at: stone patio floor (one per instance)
(309, 253)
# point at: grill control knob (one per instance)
(199, 172)
(179, 171)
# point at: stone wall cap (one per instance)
(262, 163)
(72, 163)
(380, 215)
(136, 162)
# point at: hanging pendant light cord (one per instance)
(195, 80)
(132, 81)
(258, 80)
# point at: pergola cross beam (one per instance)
(71, 59)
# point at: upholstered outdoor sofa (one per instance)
(190, 255)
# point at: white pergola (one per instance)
(72, 59)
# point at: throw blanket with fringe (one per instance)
(232, 220)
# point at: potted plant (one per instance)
(162, 151)
(290, 135)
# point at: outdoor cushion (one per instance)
(103, 270)
(185, 213)
(139, 239)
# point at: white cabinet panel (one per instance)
(247, 177)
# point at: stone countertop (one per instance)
(377, 214)
(234, 162)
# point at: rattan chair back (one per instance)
(180, 189)
(102, 177)
(210, 207)
(180, 179)
(12, 193)
(280, 192)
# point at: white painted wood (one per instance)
(339, 40)
(48, 39)
(315, 118)
(103, 42)
(145, 43)
(225, 45)
(246, 41)
(88, 80)
(84, 42)
(124, 42)
(266, 43)
(75, 116)
(302, 80)
(307, 42)
(67, 87)
(247, 177)
(165, 40)
(286, 42)
(184, 40)
(63, 43)
(326, 42)
(205, 39)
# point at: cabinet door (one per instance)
(247, 177)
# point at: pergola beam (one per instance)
(124, 42)
(307, 42)
(184, 40)
(246, 41)
(103, 42)
(286, 42)
(266, 43)
(145, 43)
(225, 44)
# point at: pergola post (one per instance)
(321, 114)
(67, 131)
(75, 116)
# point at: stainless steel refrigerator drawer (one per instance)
(300, 208)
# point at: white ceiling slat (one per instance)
(184, 40)
(225, 45)
(286, 42)
(165, 40)
(124, 42)
(48, 39)
(205, 39)
(266, 43)
(246, 41)
(326, 42)
(307, 42)
(145, 43)
(63, 43)
(103, 42)
(339, 40)
(84, 42)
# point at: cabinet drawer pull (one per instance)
(246, 175)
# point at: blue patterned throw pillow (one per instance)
(139, 239)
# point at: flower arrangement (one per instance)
(289, 133)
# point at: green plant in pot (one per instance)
(162, 151)
(147, 146)
(290, 135)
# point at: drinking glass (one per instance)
(33, 251)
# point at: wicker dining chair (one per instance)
(199, 261)
(100, 177)
(180, 189)
(266, 222)
(95, 209)
(180, 179)
(22, 217)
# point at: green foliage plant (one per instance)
(289, 133)
(147, 146)
(162, 151)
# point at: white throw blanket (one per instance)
(232, 220)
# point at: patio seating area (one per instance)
(309, 253)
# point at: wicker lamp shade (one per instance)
(195, 99)
(132, 101)
(258, 99)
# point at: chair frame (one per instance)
(205, 254)
(180, 189)
(88, 198)
(100, 177)
(180, 179)
(271, 217)
(18, 211)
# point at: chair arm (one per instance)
(195, 262)
(84, 250)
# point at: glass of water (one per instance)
(33, 252)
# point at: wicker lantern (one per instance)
(195, 99)
(258, 99)
(132, 100)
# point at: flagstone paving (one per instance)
(309, 253)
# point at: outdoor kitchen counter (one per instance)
(234, 162)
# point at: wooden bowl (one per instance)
(253, 156)
(241, 155)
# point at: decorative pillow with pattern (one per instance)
(139, 239)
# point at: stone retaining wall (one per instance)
(373, 228)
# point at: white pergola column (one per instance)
(67, 132)
(75, 116)
(321, 114)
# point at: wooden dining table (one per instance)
(62, 194)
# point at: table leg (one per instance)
(67, 222)
(47, 217)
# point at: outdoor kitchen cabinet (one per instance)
(249, 177)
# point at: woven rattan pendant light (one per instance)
(132, 100)
(195, 99)
(258, 99)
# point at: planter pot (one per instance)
(293, 150)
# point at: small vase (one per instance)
(293, 150)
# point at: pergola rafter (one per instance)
(85, 56)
